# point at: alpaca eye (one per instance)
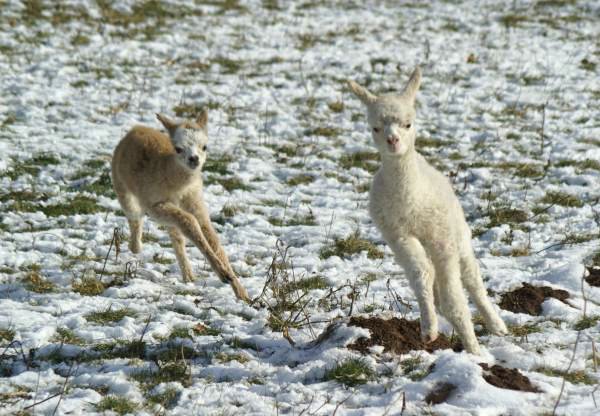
(408, 125)
(178, 149)
(376, 129)
(204, 148)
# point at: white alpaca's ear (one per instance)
(202, 119)
(413, 84)
(362, 93)
(169, 124)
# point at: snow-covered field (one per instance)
(508, 108)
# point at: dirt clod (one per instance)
(593, 279)
(440, 393)
(507, 378)
(529, 299)
(396, 335)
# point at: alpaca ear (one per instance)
(412, 86)
(362, 93)
(202, 119)
(169, 124)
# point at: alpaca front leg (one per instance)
(197, 207)
(169, 214)
(179, 246)
(412, 257)
(453, 301)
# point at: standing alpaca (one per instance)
(415, 209)
(160, 175)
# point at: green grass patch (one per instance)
(180, 332)
(506, 215)
(79, 204)
(523, 170)
(35, 282)
(89, 286)
(166, 399)
(524, 330)
(307, 284)
(325, 131)
(218, 164)
(575, 377)
(301, 179)
(66, 336)
(351, 372)
(233, 183)
(368, 161)
(109, 316)
(171, 371)
(226, 358)
(579, 164)
(587, 322)
(350, 245)
(7, 334)
(31, 166)
(563, 199)
(119, 405)
(296, 220)
(513, 20)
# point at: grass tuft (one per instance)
(89, 286)
(117, 404)
(563, 199)
(368, 161)
(351, 372)
(350, 245)
(35, 282)
(109, 315)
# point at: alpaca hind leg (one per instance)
(178, 242)
(134, 215)
(453, 301)
(472, 281)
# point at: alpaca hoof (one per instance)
(135, 247)
(189, 278)
(429, 337)
(499, 329)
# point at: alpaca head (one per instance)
(391, 116)
(189, 140)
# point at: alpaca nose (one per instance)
(392, 139)
(194, 161)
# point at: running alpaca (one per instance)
(415, 209)
(161, 176)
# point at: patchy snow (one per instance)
(507, 108)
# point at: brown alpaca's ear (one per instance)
(202, 119)
(169, 124)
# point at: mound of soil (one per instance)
(440, 393)
(529, 299)
(593, 279)
(396, 335)
(507, 378)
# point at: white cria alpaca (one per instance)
(161, 176)
(415, 209)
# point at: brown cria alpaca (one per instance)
(161, 176)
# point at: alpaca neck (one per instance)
(177, 175)
(400, 172)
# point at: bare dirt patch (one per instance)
(529, 299)
(507, 378)
(593, 278)
(440, 393)
(397, 335)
